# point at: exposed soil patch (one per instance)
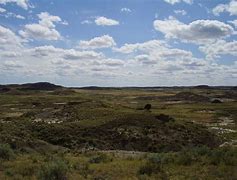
(222, 121)
(206, 111)
(12, 114)
(221, 130)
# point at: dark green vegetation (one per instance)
(51, 132)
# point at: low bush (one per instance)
(82, 168)
(54, 170)
(162, 158)
(152, 166)
(6, 152)
(184, 158)
(149, 168)
(223, 156)
(100, 158)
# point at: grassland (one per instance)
(104, 133)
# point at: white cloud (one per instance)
(2, 10)
(9, 65)
(152, 52)
(112, 62)
(103, 63)
(66, 54)
(81, 55)
(182, 12)
(158, 64)
(10, 14)
(220, 47)
(22, 3)
(145, 59)
(86, 22)
(234, 22)
(65, 23)
(127, 10)
(8, 39)
(103, 21)
(42, 51)
(178, 1)
(231, 8)
(48, 20)
(198, 31)
(19, 17)
(45, 29)
(37, 31)
(10, 54)
(145, 47)
(104, 41)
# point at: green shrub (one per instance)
(223, 156)
(26, 168)
(100, 158)
(6, 152)
(9, 173)
(156, 158)
(201, 151)
(230, 157)
(149, 168)
(82, 168)
(184, 158)
(54, 170)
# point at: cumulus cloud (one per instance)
(145, 46)
(155, 48)
(41, 51)
(103, 21)
(22, 3)
(8, 39)
(181, 12)
(234, 22)
(82, 55)
(218, 48)
(104, 41)
(2, 10)
(48, 20)
(197, 31)
(44, 30)
(66, 54)
(153, 52)
(158, 63)
(145, 59)
(86, 22)
(9, 65)
(178, 1)
(112, 62)
(19, 16)
(127, 10)
(13, 15)
(10, 14)
(231, 8)
(10, 54)
(37, 31)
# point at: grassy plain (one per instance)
(104, 133)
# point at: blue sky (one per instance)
(119, 43)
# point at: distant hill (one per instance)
(42, 86)
(202, 87)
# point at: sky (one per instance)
(119, 43)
